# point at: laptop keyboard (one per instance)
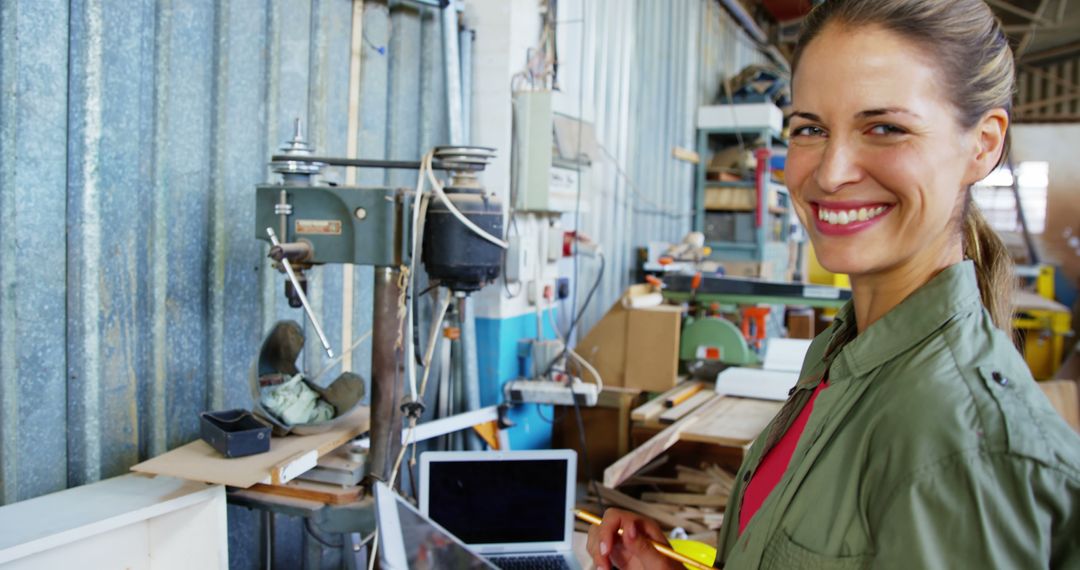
(531, 563)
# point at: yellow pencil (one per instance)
(593, 519)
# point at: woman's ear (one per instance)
(989, 138)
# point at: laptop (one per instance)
(410, 541)
(513, 507)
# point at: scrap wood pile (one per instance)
(693, 498)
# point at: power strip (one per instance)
(549, 392)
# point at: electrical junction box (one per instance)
(532, 150)
(565, 180)
(520, 252)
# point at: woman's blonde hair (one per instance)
(975, 64)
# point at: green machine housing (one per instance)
(342, 224)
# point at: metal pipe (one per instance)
(470, 367)
(452, 68)
(465, 41)
(387, 378)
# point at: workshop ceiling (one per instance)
(1045, 35)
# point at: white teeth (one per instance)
(844, 217)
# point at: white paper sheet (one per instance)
(756, 383)
(785, 354)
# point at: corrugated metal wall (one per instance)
(133, 293)
(1048, 92)
(647, 70)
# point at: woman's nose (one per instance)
(839, 166)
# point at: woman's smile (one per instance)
(849, 217)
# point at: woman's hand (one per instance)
(631, 551)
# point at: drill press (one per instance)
(309, 223)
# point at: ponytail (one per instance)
(993, 266)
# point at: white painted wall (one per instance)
(505, 30)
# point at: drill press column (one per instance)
(387, 378)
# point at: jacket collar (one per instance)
(953, 291)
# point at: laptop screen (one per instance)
(499, 502)
(411, 542)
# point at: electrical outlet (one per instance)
(562, 288)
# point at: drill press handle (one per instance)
(300, 292)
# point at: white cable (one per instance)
(436, 326)
(410, 439)
(419, 211)
(374, 550)
(584, 363)
(438, 190)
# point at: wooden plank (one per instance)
(659, 515)
(658, 481)
(635, 460)
(688, 499)
(692, 403)
(734, 422)
(312, 491)
(288, 457)
(656, 406)
(681, 395)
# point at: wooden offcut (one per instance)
(288, 457)
(312, 491)
(687, 499)
(613, 497)
(633, 461)
(689, 405)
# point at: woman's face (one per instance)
(878, 161)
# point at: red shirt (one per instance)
(774, 464)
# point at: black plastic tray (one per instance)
(234, 433)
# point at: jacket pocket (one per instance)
(782, 553)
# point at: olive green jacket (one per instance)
(932, 447)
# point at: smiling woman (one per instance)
(916, 437)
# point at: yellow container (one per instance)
(699, 551)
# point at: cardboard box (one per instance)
(635, 347)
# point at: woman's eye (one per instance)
(808, 131)
(886, 129)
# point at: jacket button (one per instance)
(746, 477)
(1000, 379)
(791, 392)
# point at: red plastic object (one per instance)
(755, 315)
(567, 244)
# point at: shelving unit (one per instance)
(745, 220)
